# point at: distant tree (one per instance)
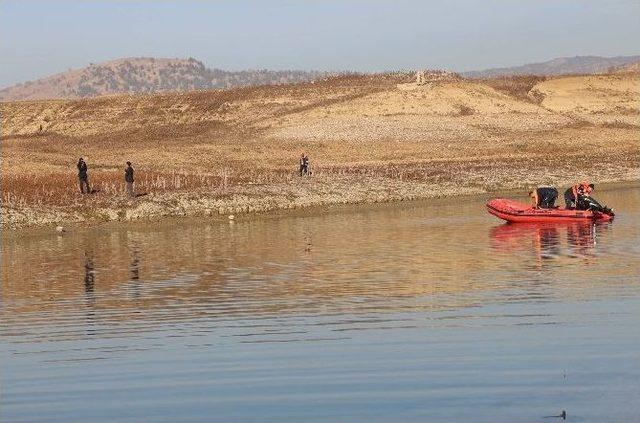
(86, 90)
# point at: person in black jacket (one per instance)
(544, 197)
(83, 177)
(304, 164)
(128, 179)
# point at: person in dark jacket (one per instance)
(83, 177)
(544, 197)
(304, 164)
(128, 179)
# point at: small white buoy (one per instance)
(231, 217)
(59, 229)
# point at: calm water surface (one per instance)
(414, 312)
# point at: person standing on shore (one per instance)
(83, 177)
(304, 164)
(128, 179)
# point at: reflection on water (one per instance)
(135, 265)
(410, 312)
(545, 240)
(89, 297)
(89, 273)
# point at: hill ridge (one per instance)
(589, 64)
(130, 75)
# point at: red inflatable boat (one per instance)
(514, 211)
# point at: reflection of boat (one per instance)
(510, 238)
(513, 235)
(515, 211)
(546, 238)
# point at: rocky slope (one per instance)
(559, 66)
(628, 68)
(145, 75)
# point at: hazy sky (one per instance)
(38, 38)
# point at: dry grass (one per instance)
(62, 190)
(617, 124)
(57, 189)
(464, 110)
(238, 149)
(517, 86)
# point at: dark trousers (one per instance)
(84, 185)
(304, 169)
(130, 191)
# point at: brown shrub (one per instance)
(579, 124)
(617, 124)
(464, 110)
(517, 86)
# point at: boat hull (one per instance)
(515, 211)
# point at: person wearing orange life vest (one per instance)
(572, 194)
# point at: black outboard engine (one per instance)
(586, 202)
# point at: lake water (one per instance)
(411, 312)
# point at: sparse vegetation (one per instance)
(617, 124)
(148, 75)
(517, 86)
(370, 138)
(464, 110)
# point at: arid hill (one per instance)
(145, 75)
(370, 138)
(628, 68)
(561, 66)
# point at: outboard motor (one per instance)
(586, 202)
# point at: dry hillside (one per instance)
(628, 68)
(370, 138)
(145, 75)
(560, 66)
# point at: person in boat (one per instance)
(572, 194)
(544, 197)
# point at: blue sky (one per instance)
(38, 38)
